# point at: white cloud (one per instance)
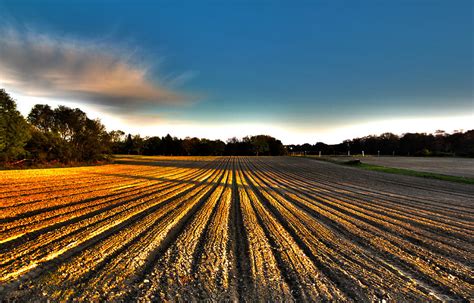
(43, 66)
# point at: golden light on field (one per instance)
(270, 228)
(344, 135)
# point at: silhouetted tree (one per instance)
(66, 134)
(117, 138)
(128, 145)
(42, 117)
(410, 144)
(191, 146)
(152, 146)
(217, 147)
(14, 131)
(260, 145)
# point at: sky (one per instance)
(301, 71)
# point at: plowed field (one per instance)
(233, 228)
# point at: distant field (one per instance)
(463, 167)
(233, 228)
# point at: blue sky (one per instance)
(302, 71)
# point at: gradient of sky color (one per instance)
(302, 71)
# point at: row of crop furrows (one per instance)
(412, 234)
(303, 279)
(118, 254)
(183, 271)
(25, 184)
(28, 226)
(385, 184)
(202, 262)
(96, 199)
(423, 227)
(330, 277)
(248, 229)
(130, 263)
(21, 188)
(425, 219)
(47, 244)
(418, 225)
(402, 251)
(24, 197)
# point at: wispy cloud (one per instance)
(45, 66)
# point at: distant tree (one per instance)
(218, 147)
(14, 131)
(416, 144)
(134, 145)
(66, 134)
(44, 146)
(191, 146)
(231, 147)
(117, 138)
(461, 144)
(388, 143)
(152, 146)
(138, 144)
(267, 145)
(69, 122)
(245, 146)
(42, 117)
(93, 142)
(260, 145)
(128, 145)
(323, 148)
(306, 148)
(167, 142)
(238, 147)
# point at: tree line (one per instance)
(262, 145)
(67, 135)
(410, 144)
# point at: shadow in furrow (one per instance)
(351, 290)
(168, 240)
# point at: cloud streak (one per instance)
(42, 66)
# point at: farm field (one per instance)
(233, 228)
(462, 167)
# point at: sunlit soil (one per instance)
(227, 228)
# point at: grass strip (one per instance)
(401, 171)
(408, 172)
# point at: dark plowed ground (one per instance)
(233, 228)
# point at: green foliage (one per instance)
(14, 131)
(409, 172)
(66, 134)
(42, 117)
(261, 145)
(410, 144)
(393, 170)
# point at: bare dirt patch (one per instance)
(233, 228)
